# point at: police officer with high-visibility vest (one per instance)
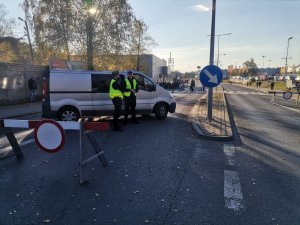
(129, 93)
(116, 95)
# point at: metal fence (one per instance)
(14, 82)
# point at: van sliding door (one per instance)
(102, 104)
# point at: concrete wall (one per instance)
(14, 82)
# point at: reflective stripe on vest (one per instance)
(128, 86)
(113, 92)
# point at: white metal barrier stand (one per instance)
(86, 136)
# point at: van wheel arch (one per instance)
(161, 110)
(68, 113)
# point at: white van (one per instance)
(69, 95)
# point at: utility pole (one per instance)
(287, 54)
(211, 58)
(28, 36)
(171, 63)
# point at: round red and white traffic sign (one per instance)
(49, 136)
(287, 95)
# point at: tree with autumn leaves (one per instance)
(59, 30)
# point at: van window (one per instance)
(144, 83)
(101, 82)
(139, 79)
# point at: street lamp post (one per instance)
(263, 63)
(219, 59)
(28, 36)
(89, 38)
(263, 60)
(211, 58)
(219, 35)
(269, 62)
(287, 53)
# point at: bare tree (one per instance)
(5, 24)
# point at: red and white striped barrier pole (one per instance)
(49, 136)
(66, 125)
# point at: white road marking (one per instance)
(26, 142)
(245, 93)
(229, 153)
(232, 191)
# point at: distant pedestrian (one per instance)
(259, 83)
(272, 85)
(116, 95)
(192, 85)
(32, 87)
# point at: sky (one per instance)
(259, 28)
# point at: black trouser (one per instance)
(130, 104)
(118, 111)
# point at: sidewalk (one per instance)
(12, 111)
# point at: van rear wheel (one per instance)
(68, 114)
(161, 111)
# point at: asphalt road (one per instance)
(267, 157)
(161, 173)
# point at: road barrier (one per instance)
(49, 135)
(285, 94)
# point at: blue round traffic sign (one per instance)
(211, 76)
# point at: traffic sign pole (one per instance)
(211, 60)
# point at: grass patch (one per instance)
(279, 85)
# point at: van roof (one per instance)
(80, 71)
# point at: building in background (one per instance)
(154, 67)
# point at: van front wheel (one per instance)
(161, 111)
(68, 114)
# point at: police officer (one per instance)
(131, 88)
(115, 93)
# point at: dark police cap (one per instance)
(116, 72)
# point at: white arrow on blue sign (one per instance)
(211, 76)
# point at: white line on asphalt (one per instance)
(26, 142)
(9, 148)
(295, 110)
(229, 153)
(232, 191)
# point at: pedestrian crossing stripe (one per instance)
(245, 93)
(226, 92)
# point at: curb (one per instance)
(210, 137)
(202, 135)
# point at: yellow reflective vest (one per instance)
(113, 92)
(128, 86)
